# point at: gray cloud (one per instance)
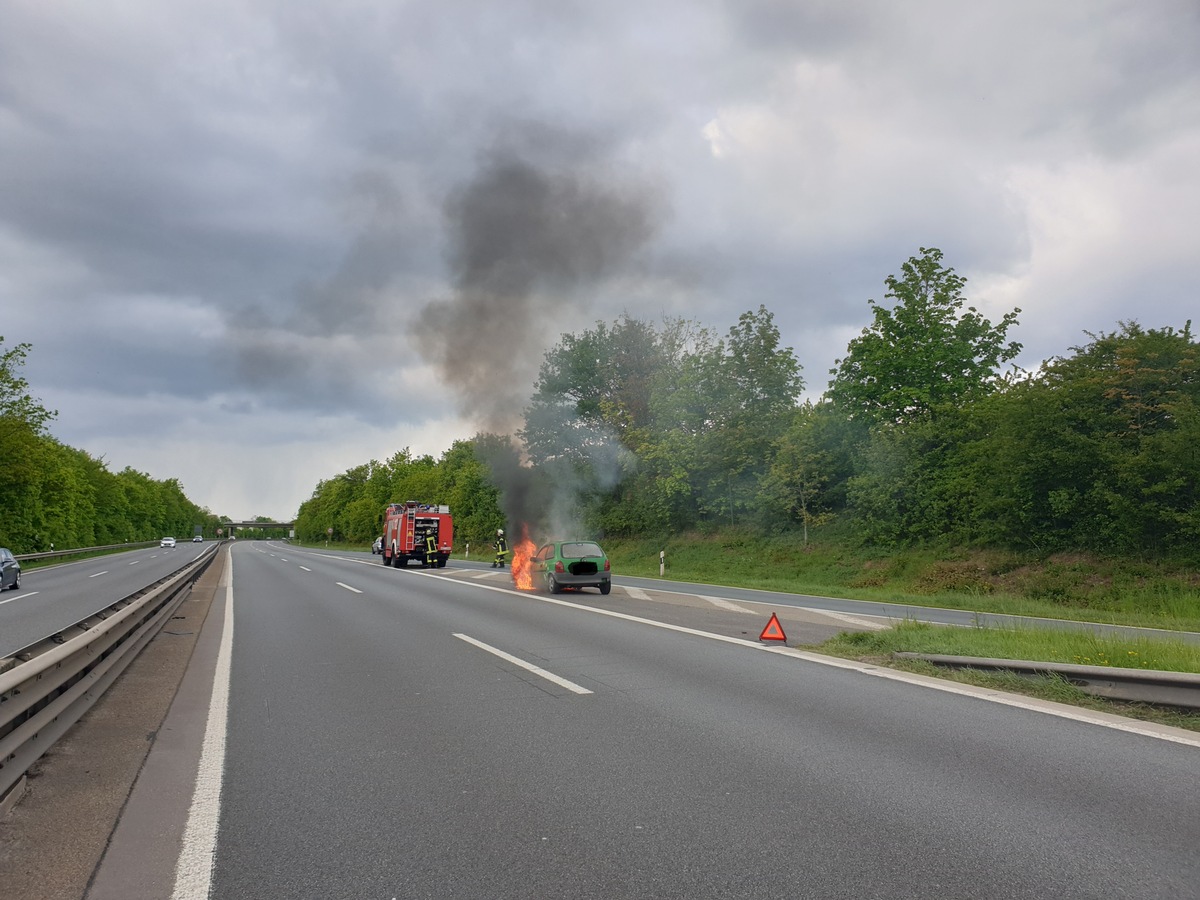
(231, 215)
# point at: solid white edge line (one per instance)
(528, 666)
(1046, 707)
(347, 587)
(193, 871)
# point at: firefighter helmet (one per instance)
(499, 532)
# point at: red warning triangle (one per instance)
(773, 631)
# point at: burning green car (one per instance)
(564, 565)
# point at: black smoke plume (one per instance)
(528, 243)
(532, 237)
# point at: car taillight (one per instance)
(606, 565)
(558, 567)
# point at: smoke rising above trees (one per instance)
(529, 241)
(531, 237)
(667, 428)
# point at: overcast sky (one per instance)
(257, 242)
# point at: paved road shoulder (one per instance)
(87, 777)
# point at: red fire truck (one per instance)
(406, 529)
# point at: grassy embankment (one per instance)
(1075, 587)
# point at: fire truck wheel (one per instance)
(441, 563)
(552, 584)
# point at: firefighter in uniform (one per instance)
(431, 553)
(501, 546)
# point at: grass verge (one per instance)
(1075, 587)
(1027, 643)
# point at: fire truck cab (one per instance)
(407, 528)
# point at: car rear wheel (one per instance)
(605, 587)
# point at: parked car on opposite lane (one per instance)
(167, 542)
(566, 565)
(377, 547)
(10, 570)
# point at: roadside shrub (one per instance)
(953, 577)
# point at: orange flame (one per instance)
(522, 561)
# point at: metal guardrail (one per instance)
(46, 688)
(78, 551)
(1180, 689)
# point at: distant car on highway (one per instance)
(377, 547)
(10, 570)
(167, 542)
(197, 539)
(572, 564)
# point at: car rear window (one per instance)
(581, 549)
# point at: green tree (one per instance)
(801, 468)
(718, 413)
(473, 499)
(1098, 450)
(17, 407)
(923, 352)
(604, 376)
(758, 382)
(595, 412)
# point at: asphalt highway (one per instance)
(55, 597)
(436, 734)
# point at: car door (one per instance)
(539, 559)
(8, 568)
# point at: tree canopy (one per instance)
(639, 428)
(51, 494)
(18, 408)
(923, 352)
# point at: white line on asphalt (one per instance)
(193, 871)
(19, 597)
(726, 604)
(135, 562)
(98, 574)
(1105, 720)
(536, 670)
(637, 593)
(347, 587)
(849, 620)
(483, 575)
(306, 568)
